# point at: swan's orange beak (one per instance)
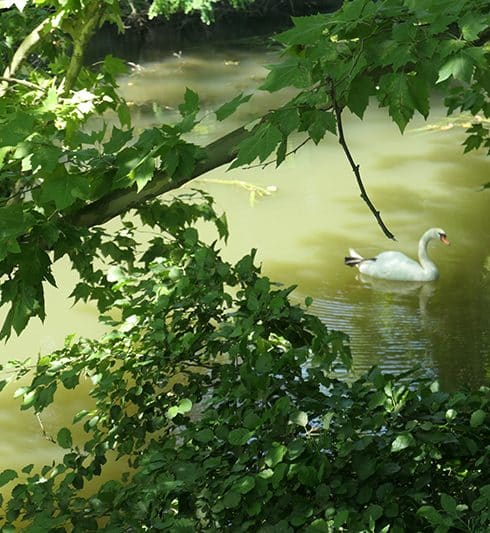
(444, 239)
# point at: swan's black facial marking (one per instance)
(443, 238)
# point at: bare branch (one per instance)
(21, 82)
(46, 435)
(355, 167)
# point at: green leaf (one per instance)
(14, 221)
(361, 88)
(64, 439)
(307, 30)
(430, 514)
(419, 93)
(308, 475)
(451, 414)
(394, 93)
(340, 518)
(459, 66)
(281, 152)
(448, 503)
(6, 476)
(119, 139)
(318, 122)
(261, 143)
(63, 189)
(204, 435)
(289, 73)
(124, 114)
(300, 418)
(239, 437)
(80, 415)
(191, 103)
(244, 485)
(404, 440)
(472, 25)
(286, 119)
(477, 418)
(264, 363)
(230, 107)
(142, 173)
(183, 407)
(275, 454)
(114, 66)
(232, 499)
(16, 128)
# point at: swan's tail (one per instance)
(354, 259)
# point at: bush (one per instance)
(221, 397)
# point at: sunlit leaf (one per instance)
(402, 441)
(459, 66)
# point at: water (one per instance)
(303, 230)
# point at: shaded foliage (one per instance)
(219, 396)
(216, 394)
(55, 170)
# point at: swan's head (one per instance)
(438, 233)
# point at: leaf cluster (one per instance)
(218, 394)
(205, 8)
(50, 168)
(395, 52)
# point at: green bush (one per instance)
(222, 398)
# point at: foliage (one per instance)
(204, 7)
(218, 394)
(395, 51)
(215, 391)
(63, 168)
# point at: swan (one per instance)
(397, 266)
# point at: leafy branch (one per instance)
(28, 43)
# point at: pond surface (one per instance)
(303, 229)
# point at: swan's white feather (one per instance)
(397, 266)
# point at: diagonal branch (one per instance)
(355, 167)
(218, 152)
(28, 43)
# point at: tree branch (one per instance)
(28, 43)
(81, 36)
(355, 167)
(219, 153)
(21, 82)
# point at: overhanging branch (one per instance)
(218, 152)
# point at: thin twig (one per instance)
(45, 434)
(21, 82)
(355, 167)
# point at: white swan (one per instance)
(397, 266)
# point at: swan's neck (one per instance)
(428, 266)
